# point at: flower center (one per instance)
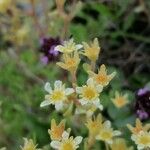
(56, 133)
(101, 78)
(89, 93)
(92, 53)
(120, 101)
(145, 140)
(57, 95)
(71, 62)
(94, 128)
(68, 145)
(106, 135)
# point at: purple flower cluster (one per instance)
(48, 49)
(142, 105)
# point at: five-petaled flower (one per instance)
(102, 77)
(120, 144)
(142, 140)
(89, 94)
(88, 109)
(94, 125)
(57, 96)
(71, 62)
(107, 133)
(29, 145)
(67, 143)
(91, 50)
(140, 134)
(68, 47)
(56, 131)
(120, 100)
(138, 127)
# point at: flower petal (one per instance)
(55, 144)
(58, 84)
(47, 87)
(83, 101)
(116, 133)
(78, 140)
(69, 91)
(99, 88)
(90, 81)
(65, 135)
(79, 90)
(58, 48)
(107, 124)
(45, 103)
(79, 46)
(58, 106)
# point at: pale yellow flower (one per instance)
(88, 109)
(89, 94)
(56, 131)
(107, 133)
(142, 140)
(94, 125)
(29, 145)
(92, 50)
(138, 127)
(21, 35)
(71, 62)
(4, 5)
(57, 96)
(120, 144)
(120, 100)
(67, 143)
(102, 77)
(68, 47)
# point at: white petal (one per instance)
(45, 103)
(96, 102)
(100, 106)
(83, 101)
(109, 141)
(58, 48)
(99, 88)
(116, 133)
(55, 144)
(69, 91)
(140, 147)
(90, 81)
(133, 137)
(78, 140)
(58, 106)
(47, 87)
(70, 41)
(79, 90)
(58, 84)
(65, 135)
(79, 46)
(107, 124)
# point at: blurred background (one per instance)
(29, 31)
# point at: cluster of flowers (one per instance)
(85, 99)
(14, 31)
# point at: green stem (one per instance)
(93, 66)
(107, 146)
